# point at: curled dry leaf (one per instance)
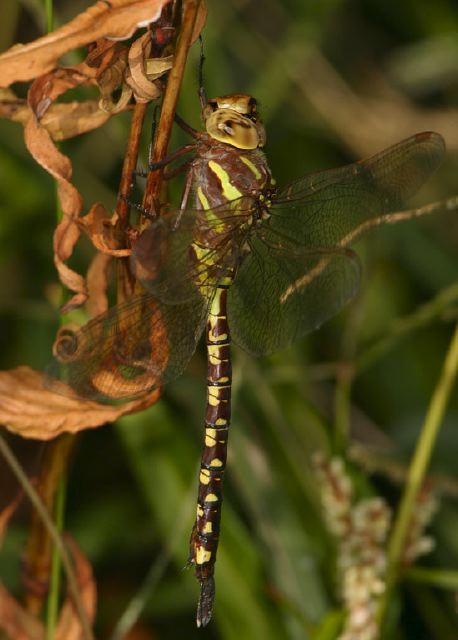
(141, 77)
(30, 410)
(201, 18)
(144, 71)
(67, 232)
(19, 624)
(101, 230)
(109, 80)
(62, 120)
(45, 152)
(97, 284)
(117, 19)
(68, 626)
(69, 119)
(65, 238)
(15, 621)
(12, 107)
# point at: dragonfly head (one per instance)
(234, 120)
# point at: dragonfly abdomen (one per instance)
(205, 534)
(221, 174)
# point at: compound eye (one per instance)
(252, 110)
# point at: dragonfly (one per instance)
(247, 261)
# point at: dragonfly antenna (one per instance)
(201, 90)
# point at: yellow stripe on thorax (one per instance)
(252, 167)
(202, 198)
(229, 191)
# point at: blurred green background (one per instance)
(337, 81)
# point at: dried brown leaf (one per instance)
(69, 119)
(47, 88)
(19, 624)
(7, 514)
(201, 18)
(12, 107)
(61, 120)
(66, 236)
(15, 621)
(111, 78)
(97, 283)
(144, 88)
(68, 626)
(101, 230)
(30, 410)
(45, 152)
(116, 19)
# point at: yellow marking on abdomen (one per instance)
(202, 555)
(204, 477)
(208, 528)
(229, 191)
(216, 462)
(220, 338)
(213, 400)
(210, 437)
(252, 167)
(220, 422)
(211, 498)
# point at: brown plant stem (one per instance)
(125, 286)
(43, 514)
(130, 162)
(154, 181)
(38, 549)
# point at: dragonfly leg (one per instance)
(205, 533)
(145, 212)
(187, 148)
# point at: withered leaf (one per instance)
(45, 152)
(117, 19)
(101, 230)
(61, 120)
(19, 624)
(12, 107)
(97, 283)
(8, 513)
(30, 410)
(68, 119)
(201, 18)
(68, 626)
(143, 86)
(15, 621)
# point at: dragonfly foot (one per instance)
(206, 599)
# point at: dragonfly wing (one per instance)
(332, 207)
(183, 254)
(280, 293)
(129, 350)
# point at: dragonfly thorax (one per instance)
(234, 120)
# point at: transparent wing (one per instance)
(148, 341)
(283, 290)
(184, 254)
(129, 350)
(328, 208)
